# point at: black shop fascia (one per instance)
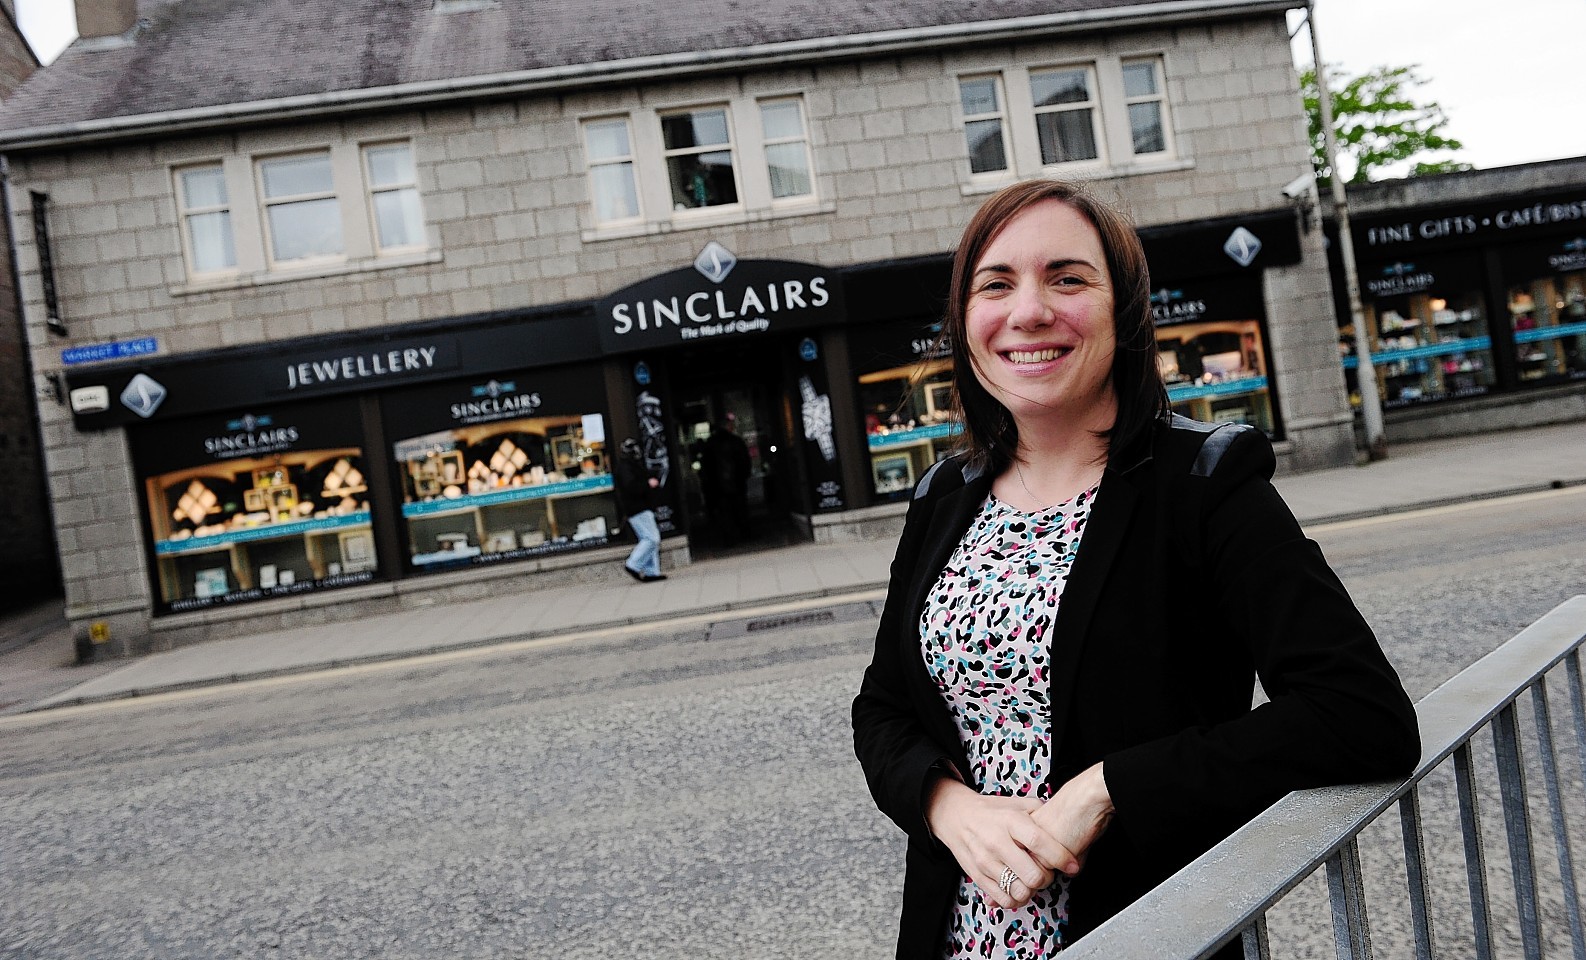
(719, 297)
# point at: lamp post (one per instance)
(1365, 373)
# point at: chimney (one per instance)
(106, 18)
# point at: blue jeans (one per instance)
(646, 556)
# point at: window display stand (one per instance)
(307, 549)
(512, 518)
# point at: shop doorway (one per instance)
(729, 406)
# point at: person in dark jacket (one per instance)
(725, 467)
(1058, 708)
(637, 492)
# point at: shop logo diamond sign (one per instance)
(1243, 246)
(143, 395)
(715, 262)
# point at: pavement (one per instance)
(38, 669)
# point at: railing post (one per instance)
(1351, 928)
(1555, 805)
(1475, 855)
(1254, 938)
(1577, 699)
(1415, 871)
(1517, 827)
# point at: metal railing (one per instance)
(1228, 893)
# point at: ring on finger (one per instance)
(1005, 882)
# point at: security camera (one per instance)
(1300, 186)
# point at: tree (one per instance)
(1378, 123)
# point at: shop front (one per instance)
(515, 467)
(768, 397)
(258, 504)
(1465, 299)
(724, 357)
(428, 453)
(1212, 350)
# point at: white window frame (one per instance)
(747, 143)
(186, 213)
(1109, 106)
(630, 160)
(249, 212)
(731, 147)
(1093, 104)
(371, 189)
(1159, 79)
(767, 142)
(1000, 115)
(266, 202)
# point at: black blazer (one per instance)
(1192, 577)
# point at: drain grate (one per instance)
(792, 620)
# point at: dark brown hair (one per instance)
(990, 436)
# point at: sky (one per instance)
(1504, 71)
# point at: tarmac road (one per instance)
(685, 793)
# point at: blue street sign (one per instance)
(118, 350)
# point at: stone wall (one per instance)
(506, 205)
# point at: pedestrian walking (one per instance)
(638, 490)
(1058, 708)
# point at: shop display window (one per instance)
(1548, 319)
(268, 511)
(909, 422)
(1216, 371)
(506, 490)
(1425, 346)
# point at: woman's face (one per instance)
(1039, 319)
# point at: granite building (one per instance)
(351, 302)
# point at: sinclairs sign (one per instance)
(719, 296)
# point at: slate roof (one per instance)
(199, 56)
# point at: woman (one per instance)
(1058, 712)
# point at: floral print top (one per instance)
(986, 639)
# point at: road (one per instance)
(641, 794)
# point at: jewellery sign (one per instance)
(719, 296)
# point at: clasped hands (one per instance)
(1035, 840)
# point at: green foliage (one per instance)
(1378, 122)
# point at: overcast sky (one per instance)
(1506, 73)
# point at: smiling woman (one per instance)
(1039, 325)
(1051, 731)
(1045, 266)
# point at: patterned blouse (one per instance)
(986, 639)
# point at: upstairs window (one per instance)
(1066, 115)
(340, 208)
(981, 100)
(1142, 88)
(614, 190)
(1110, 115)
(698, 151)
(394, 196)
(787, 150)
(301, 212)
(692, 166)
(206, 219)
